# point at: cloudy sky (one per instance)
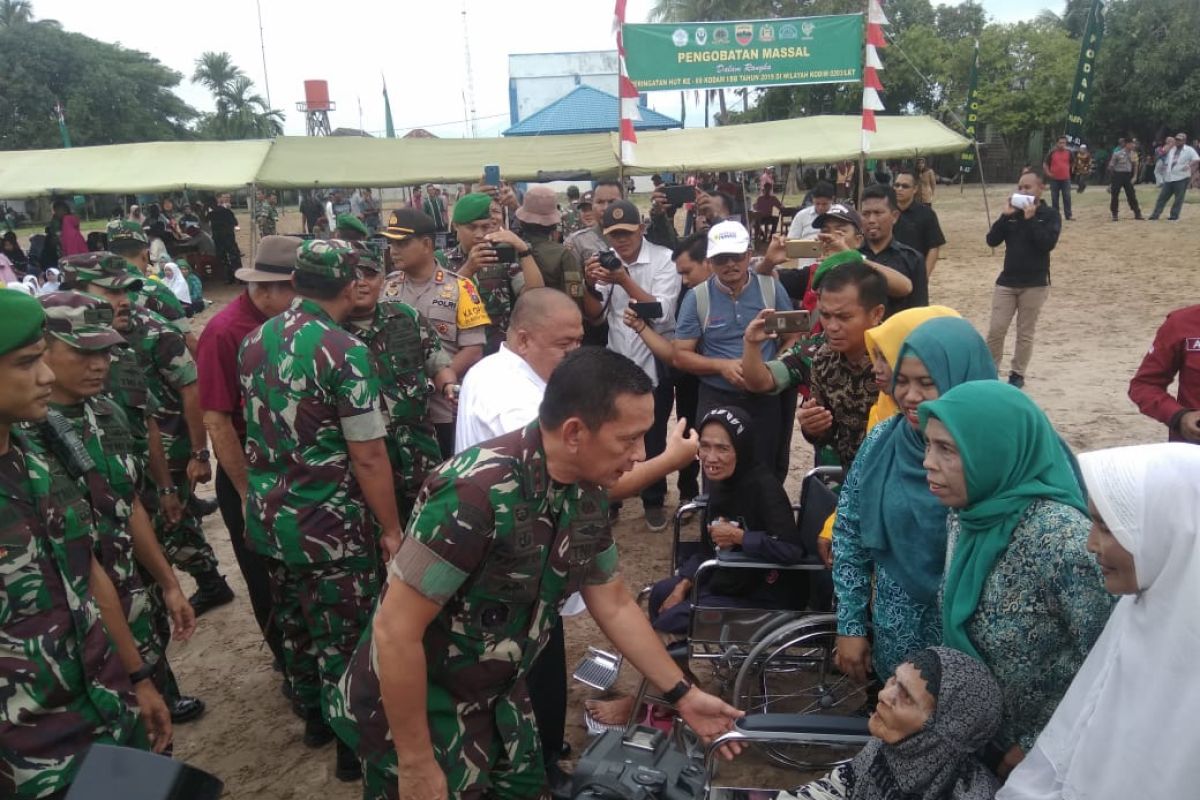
(355, 44)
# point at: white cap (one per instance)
(728, 237)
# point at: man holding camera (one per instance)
(636, 271)
(1029, 230)
(712, 319)
(499, 262)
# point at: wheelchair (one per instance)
(768, 661)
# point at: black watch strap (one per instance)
(677, 692)
(143, 672)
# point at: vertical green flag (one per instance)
(387, 113)
(1085, 73)
(967, 161)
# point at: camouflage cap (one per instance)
(119, 229)
(370, 255)
(331, 258)
(104, 269)
(80, 320)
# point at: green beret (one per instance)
(22, 320)
(349, 222)
(472, 207)
(327, 259)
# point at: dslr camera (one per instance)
(609, 260)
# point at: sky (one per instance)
(356, 44)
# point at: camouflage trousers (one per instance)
(414, 453)
(150, 623)
(184, 544)
(321, 610)
(486, 752)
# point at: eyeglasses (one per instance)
(726, 259)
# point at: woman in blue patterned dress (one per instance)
(1021, 592)
(890, 533)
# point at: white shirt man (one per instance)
(500, 394)
(648, 276)
(802, 224)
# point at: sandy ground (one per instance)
(1113, 284)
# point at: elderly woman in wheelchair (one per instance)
(750, 571)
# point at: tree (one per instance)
(15, 12)
(109, 94)
(1146, 71)
(240, 113)
(216, 72)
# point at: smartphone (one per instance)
(505, 252)
(491, 174)
(789, 322)
(803, 248)
(679, 195)
(647, 311)
(1022, 201)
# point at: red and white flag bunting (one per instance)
(626, 91)
(871, 103)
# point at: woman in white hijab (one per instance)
(173, 278)
(1127, 725)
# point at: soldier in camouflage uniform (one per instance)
(501, 534)
(66, 685)
(80, 343)
(449, 301)
(315, 451)
(411, 363)
(266, 215)
(170, 375)
(499, 283)
(127, 240)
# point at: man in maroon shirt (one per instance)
(1058, 174)
(1176, 351)
(268, 292)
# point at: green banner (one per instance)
(1085, 73)
(967, 161)
(717, 55)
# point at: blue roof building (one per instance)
(585, 110)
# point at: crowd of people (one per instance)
(420, 454)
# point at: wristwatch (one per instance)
(143, 672)
(528, 251)
(200, 455)
(677, 692)
(164, 491)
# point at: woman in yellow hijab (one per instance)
(883, 345)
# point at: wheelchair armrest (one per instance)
(738, 559)
(799, 724)
(804, 729)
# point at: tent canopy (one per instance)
(131, 168)
(348, 162)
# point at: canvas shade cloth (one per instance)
(349, 162)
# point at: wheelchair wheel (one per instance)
(791, 671)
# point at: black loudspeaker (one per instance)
(123, 773)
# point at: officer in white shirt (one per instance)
(503, 391)
(642, 273)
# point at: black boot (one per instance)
(316, 732)
(348, 767)
(204, 507)
(211, 592)
(185, 709)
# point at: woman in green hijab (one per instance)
(1021, 592)
(890, 532)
